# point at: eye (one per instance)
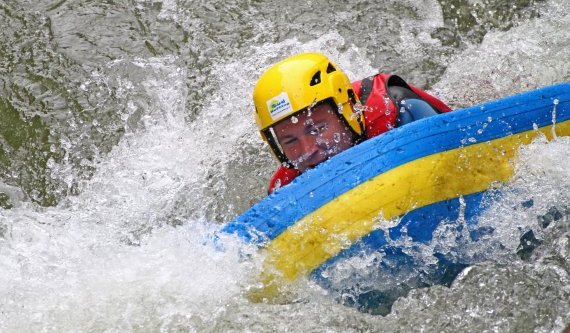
(318, 128)
(289, 141)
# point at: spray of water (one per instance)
(174, 152)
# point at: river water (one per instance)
(127, 139)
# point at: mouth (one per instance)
(313, 160)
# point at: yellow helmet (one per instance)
(299, 82)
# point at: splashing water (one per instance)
(127, 138)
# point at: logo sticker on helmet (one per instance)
(279, 105)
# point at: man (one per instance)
(308, 111)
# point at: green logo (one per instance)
(274, 103)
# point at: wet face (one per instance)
(313, 136)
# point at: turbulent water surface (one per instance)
(127, 139)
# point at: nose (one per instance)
(308, 146)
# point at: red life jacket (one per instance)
(380, 114)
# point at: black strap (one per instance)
(366, 89)
(276, 147)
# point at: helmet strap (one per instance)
(276, 147)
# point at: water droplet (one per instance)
(336, 137)
(294, 120)
(480, 131)
(472, 140)
(555, 101)
(358, 107)
(277, 184)
(402, 110)
(489, 119)
(313, 103)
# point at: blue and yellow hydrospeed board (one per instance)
(407, 181)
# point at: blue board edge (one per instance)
(273, 214)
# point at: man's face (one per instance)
(313, 136)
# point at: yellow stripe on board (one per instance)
(336, 225)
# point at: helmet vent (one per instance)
(316, 79)
(330, 68)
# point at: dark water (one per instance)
(127, 137)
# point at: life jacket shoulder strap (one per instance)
(366, 89)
